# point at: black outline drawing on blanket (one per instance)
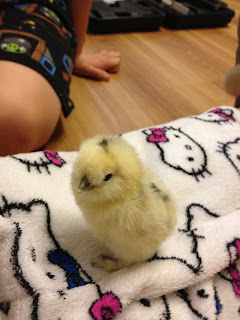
(5, 307)
(166, 313)
(179, 151)
(232, 273)
(219, 305)
(231, 150)
(62, 272)
(145, 302)
(202, 294)
(52, 158)
(190, 232)
(196, 302)
(183, 294)
(218, 115)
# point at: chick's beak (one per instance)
(84, 185)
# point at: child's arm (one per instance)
(98, 65)
(80, 10)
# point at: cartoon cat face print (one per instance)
(179, 151)
(42, 272)
(35, 251)
(231, 150)
(41, 162)
(218, 115)
(189, 252)
(232, 273)
(196, 298)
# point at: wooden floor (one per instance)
(164, 75)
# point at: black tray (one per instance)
(202, 14)
(149, 15)
(125, 16)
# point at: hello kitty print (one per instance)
(173, 141)
(47, 249)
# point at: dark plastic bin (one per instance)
(202, 14)
(125, 16)
(149, 15)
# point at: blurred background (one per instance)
(165, 74)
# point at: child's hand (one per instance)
(98, 65)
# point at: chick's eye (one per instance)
(108, 177)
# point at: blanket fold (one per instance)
(46, 247)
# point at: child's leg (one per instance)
(29, 106)
(237, 101)
(30, 109)
(232, 77)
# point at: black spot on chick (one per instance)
(103, 143)
(105, 257)
(164, 197)
(154, 187)
(160, 192)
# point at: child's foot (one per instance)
(97, 65)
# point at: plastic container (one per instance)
(150, 15)
(125, 16)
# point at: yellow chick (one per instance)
(128, 209)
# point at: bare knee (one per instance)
(29, 111)
(14, 135)
(21, 130)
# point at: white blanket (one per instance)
(46, 248)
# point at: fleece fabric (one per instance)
(46, 247)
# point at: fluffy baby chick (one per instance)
(128, 209)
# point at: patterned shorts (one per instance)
(39, 34)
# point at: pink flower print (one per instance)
(158, 135)
(54, 158)
(221, 113)
(238, 248)
(236, 287)
(105, 308)
(236, 279)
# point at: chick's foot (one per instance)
(109, 264)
